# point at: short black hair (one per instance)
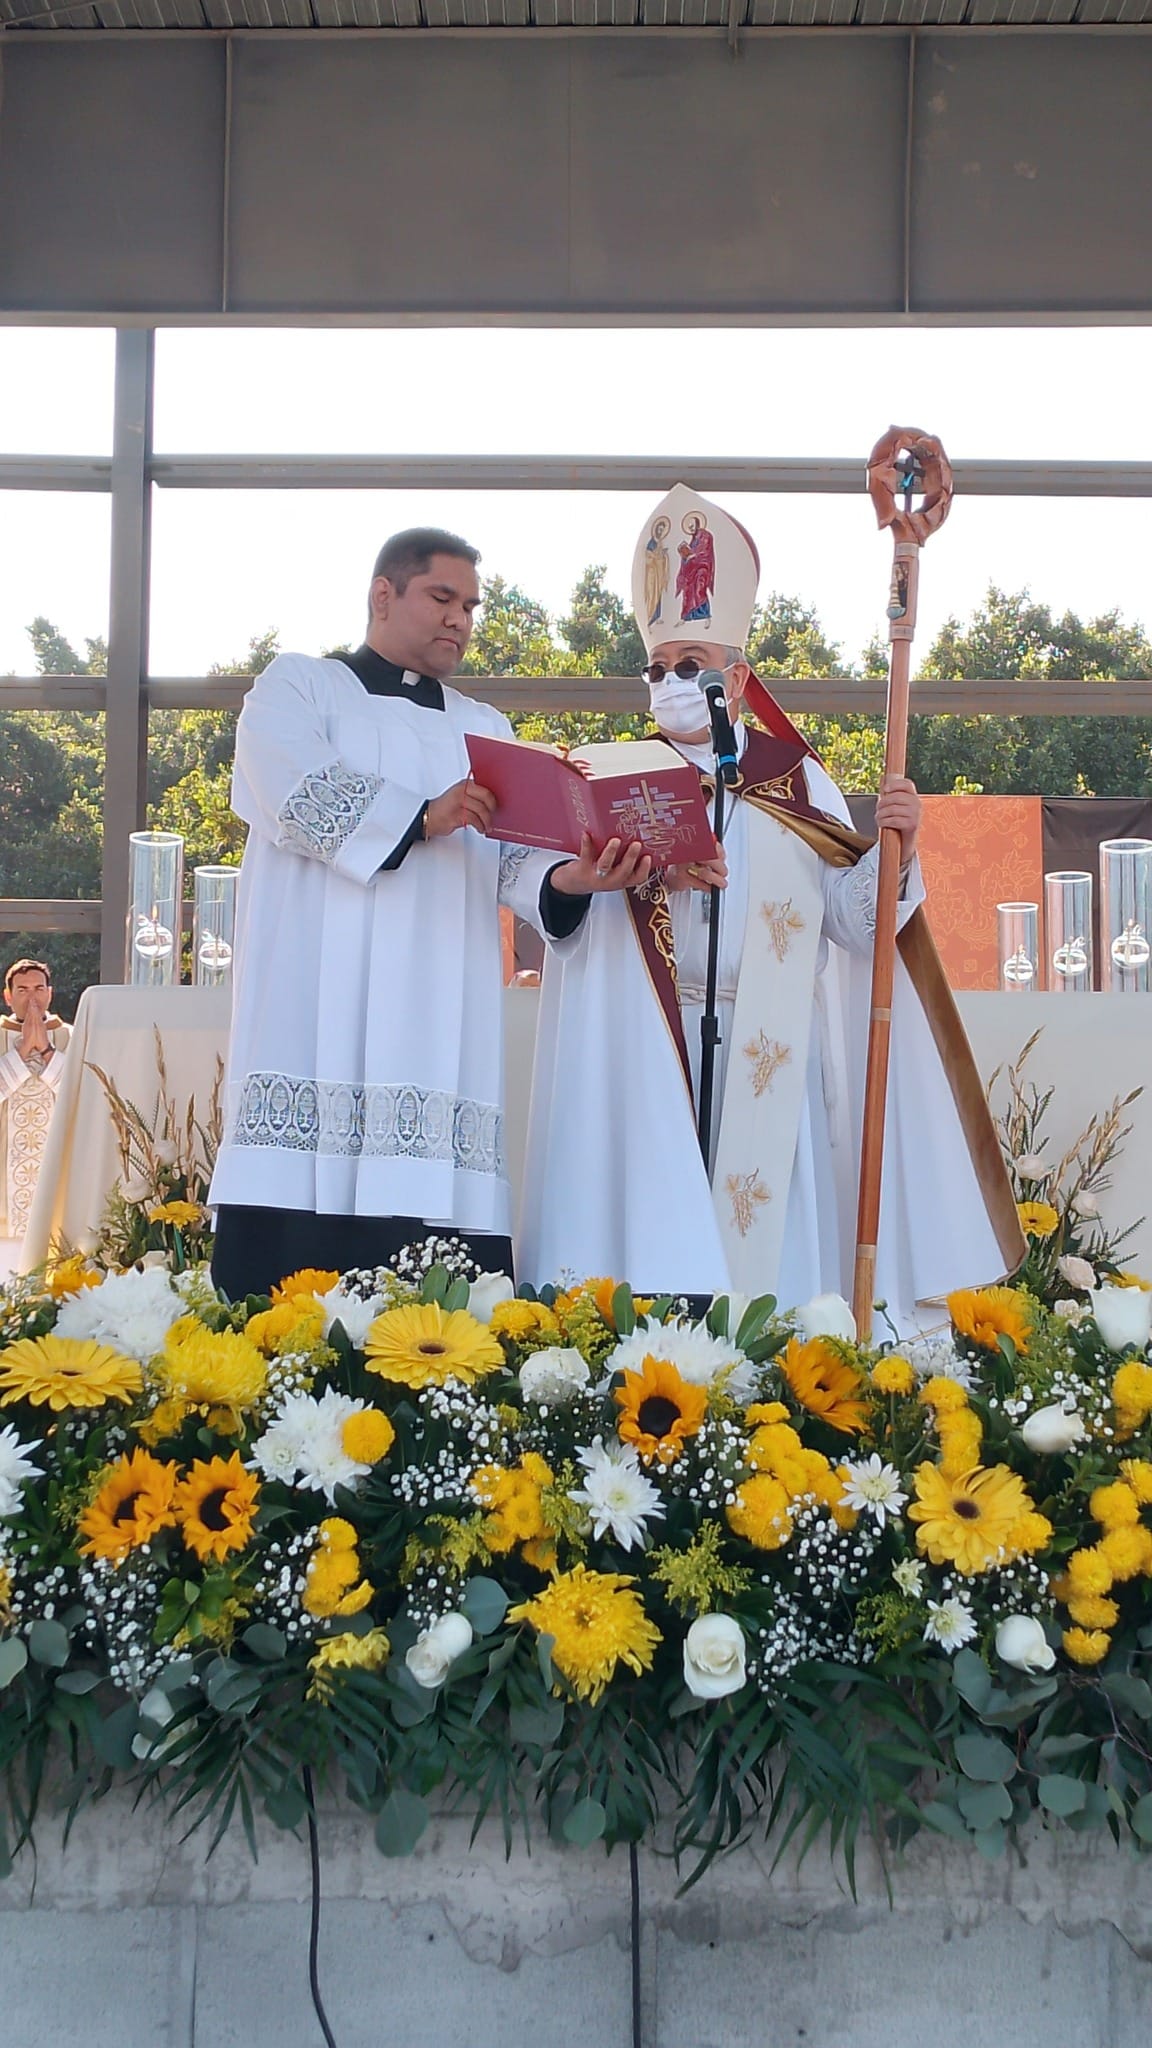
(409, 553)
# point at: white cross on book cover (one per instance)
(624, 789)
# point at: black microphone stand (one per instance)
(726, 773)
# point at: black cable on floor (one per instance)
(634, 1875)
(314, 1931)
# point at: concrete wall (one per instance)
(129, 1940)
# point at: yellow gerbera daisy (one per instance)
(182, 1214)
(71, 1275)
(216, 1373)
(135, 1500)
(659, 1411)
(424, 1345)
(761, 1514)
(893, 1376)
(988, 1313)
(596, 1622)
(309, 1281)
(66, 1372)
(1037, 1219)
(825, 1383)
(1086, 1645)
(215, 1504)
(345, 1652)
(969, 1519)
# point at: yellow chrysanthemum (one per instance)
(345, 1652)
(309, 1281)
(1138, 1473)
(1131, 1280)
(183, 1214)
(1086, 1646)
(293, 1325)
(1115, 1506)
(943, 1396)
(216, 1504)
(219, 1374)
(596, 1622)
(1128, 1551)
(969, 1519)
(1132, 1395)
(1033, 1532)
(961, 1440)
(825, 1383)
(1093, 1611)
(766, 1411)
(522, 1320)
(333, 1585)
(134, 1501)
(761, 1514)
(66, 1372)
(988, 1313)
(424, 1345)
(70, 1275)
(659, 1410)
(513, 1500)
(893, 1376)
(776, 1448)
(367, 1436)
(1037, 1219)
(338, 1534)
(1088, 1573)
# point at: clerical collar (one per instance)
(382, 678)
(702, 755)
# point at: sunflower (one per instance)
(988, 1313)
(970, 1519)
(596, 1622)
(424, 1345)
(134, 1501)
(215, 1504)
(1037, 1219)
(309, 1281)
(825, 1383)
(659, 1411)
(66, 1372)
(216, 1373)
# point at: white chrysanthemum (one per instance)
(616, 1493)
(873, 1486)
(15, 1468)
(950, 1623)
(133, 1312)
(698, 1356)
(357, 1312)
(935, 1358)
(305, 1441)
(909, 1576)
(554, 1376)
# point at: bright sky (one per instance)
(227, 565)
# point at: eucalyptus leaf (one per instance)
(112, 1738)
(48, 1644)
(983, 1758)
(990, 1842)
(538, 1727)
(623, 1310)
(1061, 1794)
(456, 1295)
(1140, 1818)
(78, 1681)
(585, 1824)
(1131, 1695)
(400, 1822)
(984, 1805)
(13, 1658)
(946, 1819)
(265, 1642)
(972, 1679)
(485, 1603)
(436, 1284)
(286, 1807)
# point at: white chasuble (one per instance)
(27, 1098)
(365, 1072)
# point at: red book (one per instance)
(633, 789)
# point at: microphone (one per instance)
(723, 737)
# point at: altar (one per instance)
(1092, 1049)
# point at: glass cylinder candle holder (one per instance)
(1019, 934)
(1125, 915)
(1068, 918)
(155, 894)
(213, 925)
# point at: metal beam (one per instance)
(55, 473)
(49, 914)
(126, 703)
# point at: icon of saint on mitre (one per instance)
(657, 568)
(696, 577)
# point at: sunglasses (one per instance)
(686, 670)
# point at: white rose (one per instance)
(1086, 1205)
(1030, 1166)
(1052, 1429)
(486, 1293)
(714, 1657)
(137, 1188)
(827, 1315)
(554, 1375)
(436, 1649)
(1021, 1641)
(1077, 1272)
(1123, 1316)
(166, 1151)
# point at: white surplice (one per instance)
(365, 1072)
(27, 1099)
(614, 1180)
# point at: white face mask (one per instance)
(678, 704)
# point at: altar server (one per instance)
(615, 1182)
(32, 1042)
(365, 1073)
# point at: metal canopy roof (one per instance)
(735, 15)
